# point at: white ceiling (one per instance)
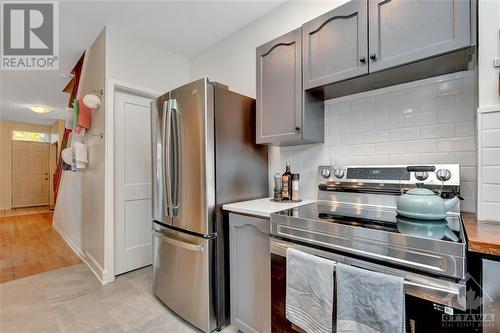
(182, 27)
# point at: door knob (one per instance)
(373, 56)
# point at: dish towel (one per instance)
(68, 123)
(80, 155)
(309, 291)
(84, 115)
(75, 113)
(369, 302)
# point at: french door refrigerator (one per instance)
(204, 155)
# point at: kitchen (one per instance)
(358, 191)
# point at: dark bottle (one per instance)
(286, 180)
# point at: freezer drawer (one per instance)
(182, 276)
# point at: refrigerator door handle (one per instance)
(178, 243)
(165, 137)
(177, 152)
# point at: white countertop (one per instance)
(262, 207)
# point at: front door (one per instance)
(30, 173)
(132, 167)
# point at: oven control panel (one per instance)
(447, 174)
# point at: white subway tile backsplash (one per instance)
(490, 210)
(387, 123)
(428, 121)
(491, 138)
(491, 156)
(388, 98)
(363, 103)
(467, 143)
(402, 134)
(375, 137)
(363, 149)
(420, 119)
(491, 192)
(490, 174)
(455, 115)
(468, 174)
(467, 158)
(490, 120)
(405, 108)
(437, 131)
(465, 128)
(436, 103)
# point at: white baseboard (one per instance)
(94, 266)
(86, 257)
(68, 241)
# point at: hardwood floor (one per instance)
(24, 211)
(29, 245)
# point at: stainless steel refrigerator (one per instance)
(204, 155)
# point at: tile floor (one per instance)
(72, 300)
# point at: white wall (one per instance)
(79, 210)
(489, 111)
(141, 64)
(232, 61)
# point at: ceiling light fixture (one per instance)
(40, 108)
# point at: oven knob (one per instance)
(443, 175)
(325, 173)
(421, 175)
(339, 173)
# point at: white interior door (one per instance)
(30, 173)
(133, 238)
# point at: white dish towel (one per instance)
(309, 291)
(81, 157)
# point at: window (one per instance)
(30, 136)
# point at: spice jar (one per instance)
(295, 187)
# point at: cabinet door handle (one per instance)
(297, 128)
(362, 59)
(373, 56)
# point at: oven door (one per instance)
(426, 297)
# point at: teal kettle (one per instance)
(422, 204)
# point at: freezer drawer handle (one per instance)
(175, 242)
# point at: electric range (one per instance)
(354, 221)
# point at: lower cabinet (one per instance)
(250, 273)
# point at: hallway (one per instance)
(29, 245)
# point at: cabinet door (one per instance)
(403, 31)
(279, 89)
(335, 45)
(250, 273)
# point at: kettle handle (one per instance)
(420, 168)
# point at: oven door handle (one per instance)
(443, 292)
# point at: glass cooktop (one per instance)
(378, 218)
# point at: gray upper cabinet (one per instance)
(286, 114)
(402, 32)
(279, 89)
(335, 45)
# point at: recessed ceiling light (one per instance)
(40, 108)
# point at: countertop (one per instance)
(483, 237)
(262, 207)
